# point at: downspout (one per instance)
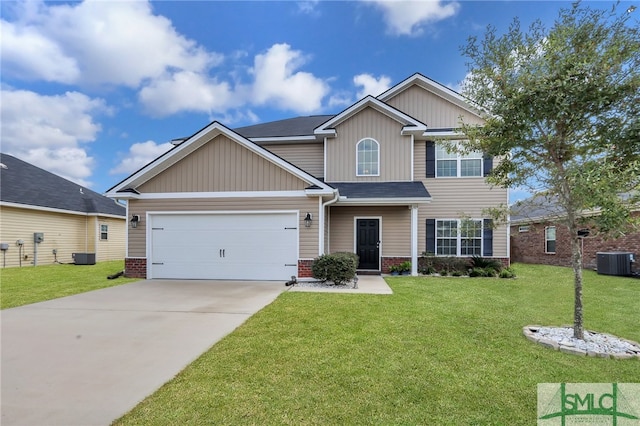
(322, 221)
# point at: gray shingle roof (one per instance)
(24, 183)
(381, 189)
(298, 126)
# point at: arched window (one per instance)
(368, 158)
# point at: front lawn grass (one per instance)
(31, 284)
(438, 351)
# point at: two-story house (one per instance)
(261, 202)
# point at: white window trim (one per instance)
(546, 240)
(357, 157)
(458, 159)
(106, 232)
(459, 237)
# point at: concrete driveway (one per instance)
(88, 359)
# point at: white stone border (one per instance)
(530, 332)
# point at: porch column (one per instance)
(414, 240)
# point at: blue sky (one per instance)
(94, 90)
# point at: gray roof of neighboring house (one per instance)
(541, 207)
(381, 189)
(24, 183)
(537, 207)
(298, 126)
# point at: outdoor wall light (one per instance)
(307, 220)
(134, 220)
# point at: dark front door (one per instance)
(368, 243)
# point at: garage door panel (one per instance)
(220, 246)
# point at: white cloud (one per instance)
(309, 7)
(277, 82)
(48, 131)
(139, 155)
(186, 91)
(371, 85)
(410, 17)
(99, 42)
(26, 52)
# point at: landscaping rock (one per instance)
(594, 344)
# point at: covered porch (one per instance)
(378, 221)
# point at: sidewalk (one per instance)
(367, 284)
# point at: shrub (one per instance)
(477, 272)
(483, 262)
(444, 265)
(404, 266)
(339, 268)
(507, 273)
(428, 270)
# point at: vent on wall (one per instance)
(614, 263)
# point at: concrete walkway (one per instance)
(367, 284)
(88, 359)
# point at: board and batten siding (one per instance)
(395, 223)
(222, 165)
(431, 109)
(306, 156)
(308, 245)
(66, 233)
(395, 149)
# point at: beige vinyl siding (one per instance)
(306, 156)
(431, 109)
(67, 233)
(113, 248)
(395, 223)
(222, 165)
(455, 198)
(395, 150)
(308, 248)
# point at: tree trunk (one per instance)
(576, 263)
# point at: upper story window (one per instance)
(368, 158)
(451, 163)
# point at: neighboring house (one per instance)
(261, 202)
(537, 236)
(66, 217)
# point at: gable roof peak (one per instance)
(410, 124)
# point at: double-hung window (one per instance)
(450, 162)
(104, 232)
(550, 239)
(368, 158)
(459, 237)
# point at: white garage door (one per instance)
(243, 246)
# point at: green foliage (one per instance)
(483, 262)
(404, 267)
(444, 265)
(31, 284)
(338, 268)
(309, 358)
(563, 116)
(507, 273)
